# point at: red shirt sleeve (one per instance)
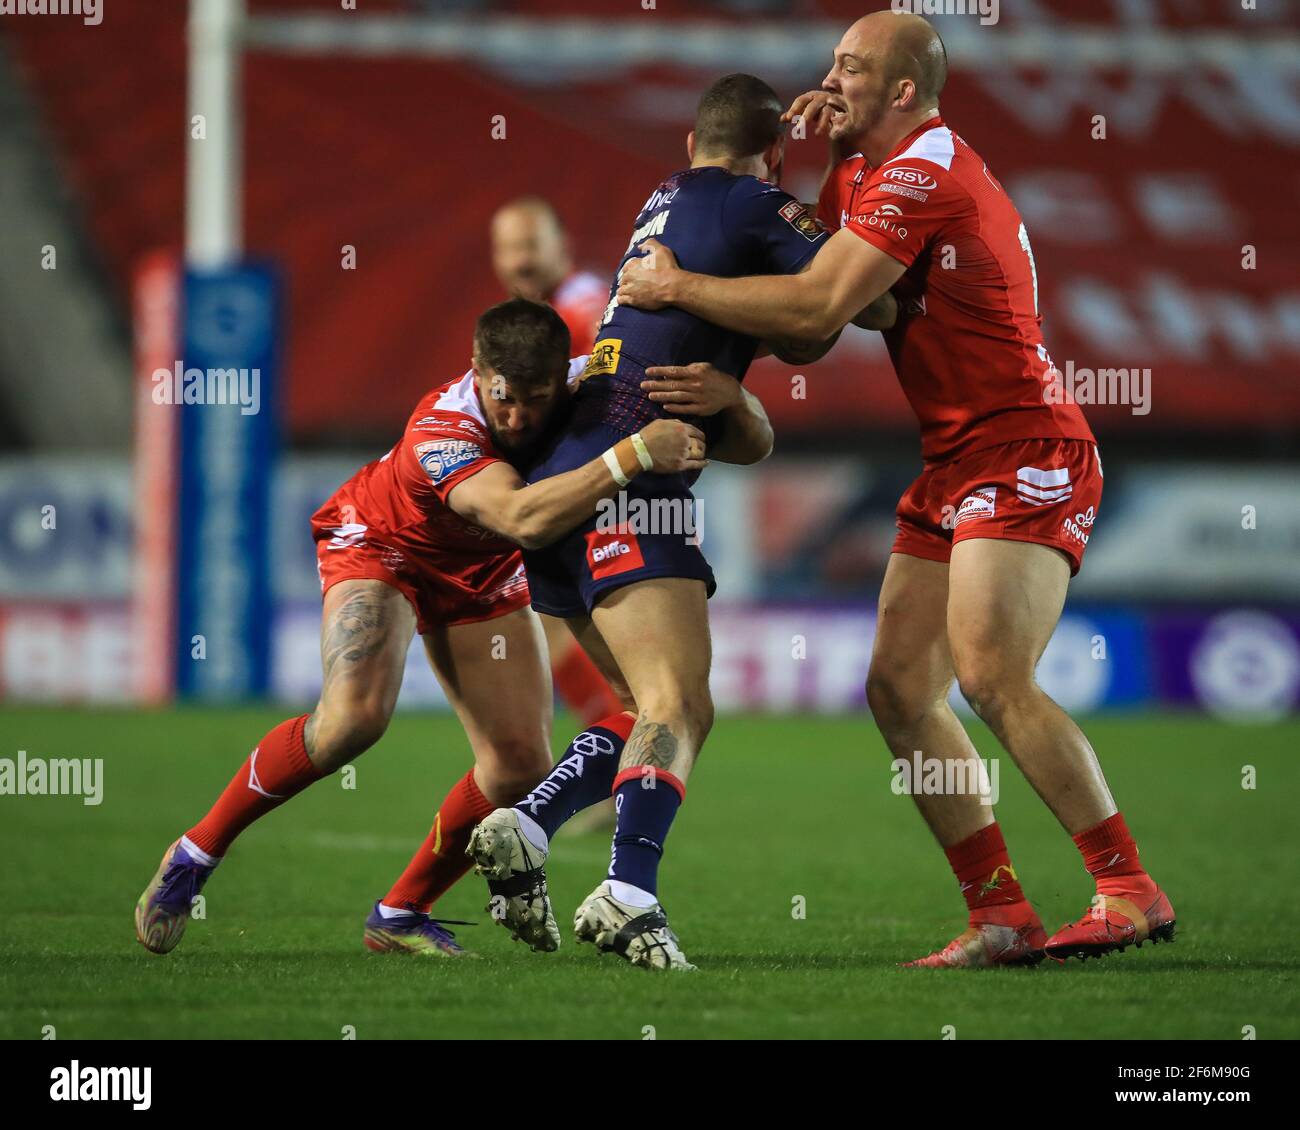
(443, 450)
(829, 207)
(902, 209)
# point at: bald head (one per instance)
(535, 209)
(889, 70)
(530, 251)
(907, 47)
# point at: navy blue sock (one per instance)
(647, 801)
(582, 777)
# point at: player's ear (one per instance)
(775, 158)
(690, 146)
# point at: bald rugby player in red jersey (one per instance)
(991, 532)
(425, 539)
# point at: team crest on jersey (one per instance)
(604, 358)
(440, 457)
(797, 216)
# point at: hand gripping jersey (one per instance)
(968, 346)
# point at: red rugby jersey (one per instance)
(401, 498)
(968, 346)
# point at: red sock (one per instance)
(583, 688)
(276, 770)
(441, 859)
(983, 868)
(1111, 857)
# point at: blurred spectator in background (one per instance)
(530, 254)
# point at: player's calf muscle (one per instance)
(652, 744)
(666, 742)
(334, 739)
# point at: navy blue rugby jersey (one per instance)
(716, 223)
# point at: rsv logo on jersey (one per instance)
(916, 178)
(441, 457)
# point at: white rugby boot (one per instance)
(639, 934)
(515, 871)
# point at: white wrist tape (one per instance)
(643, 455)
(611, 461)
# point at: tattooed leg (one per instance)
(654, 744)
(366, 631)
(658, 632)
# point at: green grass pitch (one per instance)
(779, 807)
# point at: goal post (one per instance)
(213, 151)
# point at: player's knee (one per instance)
(623, 693)
(885, 697)
(682, 710)
(990, 689)
(696, 713)
(511, 768)
(701, 714)
(337, 737)
(897, 701)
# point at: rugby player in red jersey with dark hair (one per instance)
(991, 532)
(426, 540)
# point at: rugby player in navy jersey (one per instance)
(634, 596)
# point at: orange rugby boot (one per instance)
(1115, 923)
